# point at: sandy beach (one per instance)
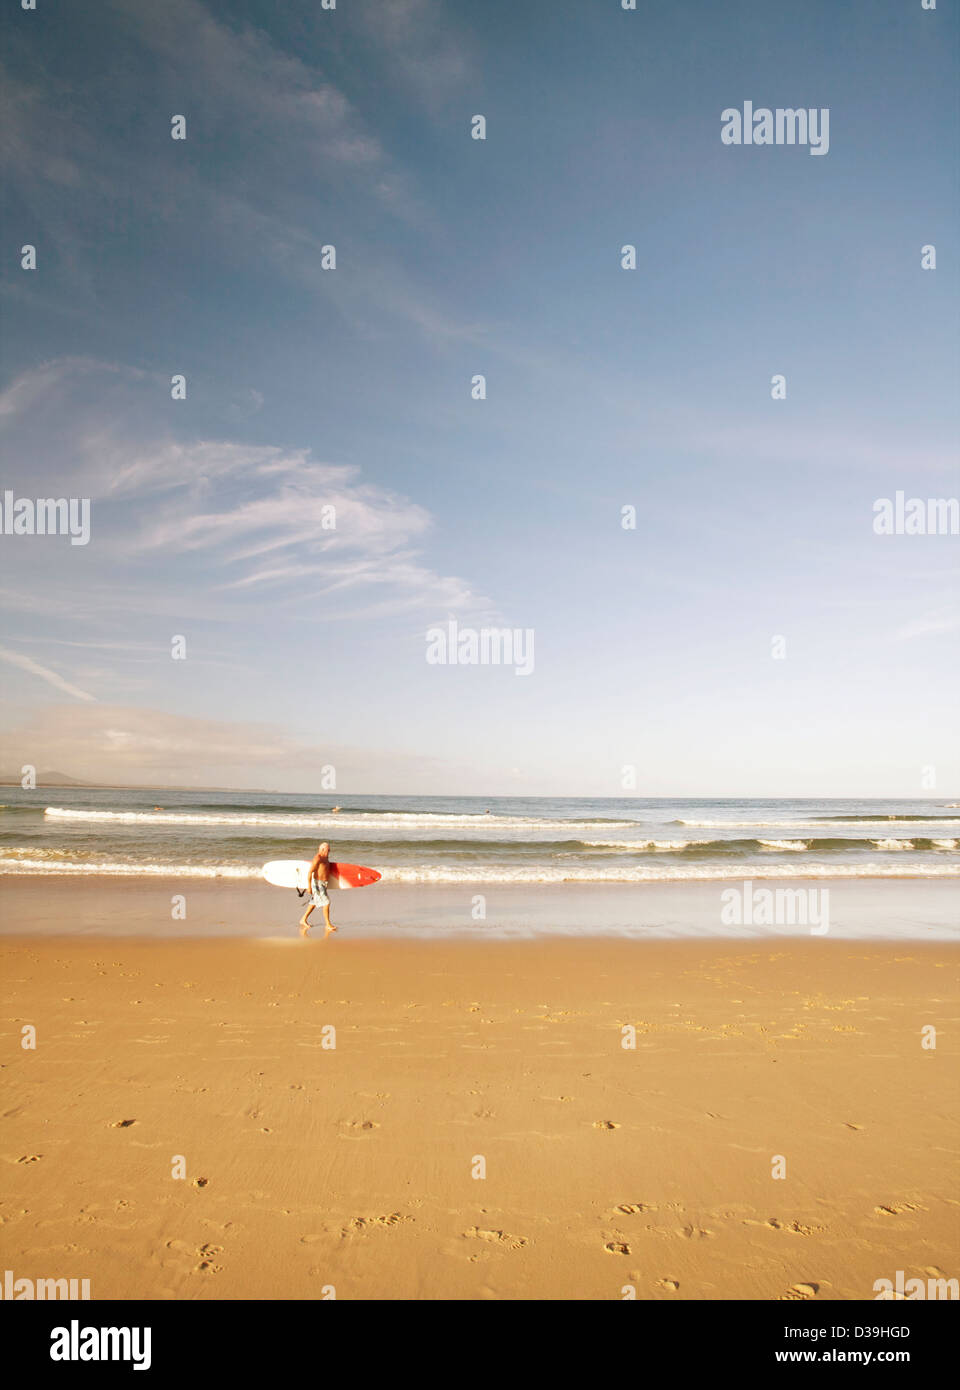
(479, 458)
(356, 1167)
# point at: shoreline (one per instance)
(901, 909)
(604, 1166)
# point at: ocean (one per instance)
(471, 840)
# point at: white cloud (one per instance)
(237, 80)
(213, 524)
(34, 668)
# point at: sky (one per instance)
(353, 388)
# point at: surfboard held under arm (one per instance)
(292, 873)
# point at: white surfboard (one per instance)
(294, 873)
(287, 873)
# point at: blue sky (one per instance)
(605, 388)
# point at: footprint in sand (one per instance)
(30, 1158)
(206, 1263)
(797, 1228)
(123, 1124)
(694, 1232)
(798, 1292)
(605, 1124)
(671, 1284)
(200, 1182)
(502, 1238)
(634, 1208)
(617, 1247)
(894, 1209)
(360, 1125)
(359, 1224)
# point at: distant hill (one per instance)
(44, 779)
(60, 779)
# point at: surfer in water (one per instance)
(317, 880)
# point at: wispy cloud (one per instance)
(26, 663)
(227, 524)
(234, 73)
(244, 97)
(929, 625)
(424, 47)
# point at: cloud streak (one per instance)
(230, 526)
(244, 97)
(26, 663)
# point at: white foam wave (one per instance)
(892, 844)
(381, 820)
(532, 874)
(644, 844)
(111, 869)
(663, 871)
(821, 825)
(944, 844)
(784, 844)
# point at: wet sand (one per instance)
(903, 909)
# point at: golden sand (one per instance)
(479, 1129)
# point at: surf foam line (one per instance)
(821, 822)
(662, 872)
(366, 820)
(814, 844)
(428, 875)
(110, 869)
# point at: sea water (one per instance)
(451, 840)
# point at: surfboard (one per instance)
(292, 873)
